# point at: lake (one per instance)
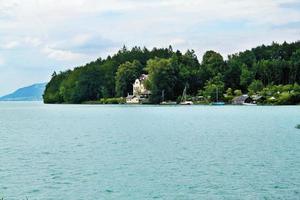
(88, 152)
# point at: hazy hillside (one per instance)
(29, 93)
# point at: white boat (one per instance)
(183, 99)
(186, 103)
(168, 103)
(163, 102)
(249, 104)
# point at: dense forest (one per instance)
(272, 71)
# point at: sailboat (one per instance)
(183, 99)
(163, 102)
(218, 103)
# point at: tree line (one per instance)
(171, 71)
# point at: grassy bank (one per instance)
(107, 101)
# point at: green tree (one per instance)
(83, 84)
(189, 67)
(162, 77)
(246, 77)
(295, 67)
(232, 73)
(213, 63)
(248, 58)
(255, 86)
(52, 92)
(214, 88)
(125, 77)
(237, 92)
(229, 95)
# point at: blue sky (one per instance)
(40, 36)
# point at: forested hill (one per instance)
(249, 71)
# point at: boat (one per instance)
(218, 103)
(168, 103)
(186, 103)
(183, 99)
(163, 102)
(249, 104)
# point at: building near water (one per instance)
(240, 100)
(140, 93)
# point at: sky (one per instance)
(38, 37)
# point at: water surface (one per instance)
(70, 152)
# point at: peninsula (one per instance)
(265, 75)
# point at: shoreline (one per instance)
(174, 105)
(126, 104)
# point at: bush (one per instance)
(255, 86)
(284, 98)
(107, 101)
(238, 92)
(281, 94)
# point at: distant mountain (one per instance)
(29, 93)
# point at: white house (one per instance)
(140, 93)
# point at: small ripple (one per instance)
(46, 153)
(156, 197)
(56, 173)
(63, 183)
(192, 187)
(55, 177)
(91, 174)
(51, 187)
(34, 191)
(280, 187)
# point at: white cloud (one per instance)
(2, 61)
(178, 42)
(81, 39)
(19, 42)
(61, 55)
(65, 25)
(69, 33)
(10, 45)
(35, 42)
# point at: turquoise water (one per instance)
(72, 152)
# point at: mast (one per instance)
(217, 91)
(183, 98)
